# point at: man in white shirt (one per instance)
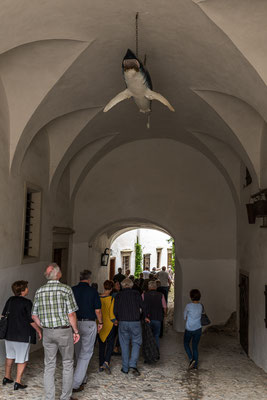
(146, 273)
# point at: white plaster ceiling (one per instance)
(60, 63)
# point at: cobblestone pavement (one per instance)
(225, 373)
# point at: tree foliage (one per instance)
(171, 240)
(138, 258)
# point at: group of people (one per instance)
(69, 320)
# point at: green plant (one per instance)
(171, 240)
(138, 258)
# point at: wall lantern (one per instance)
(258, 207)
(105, 257)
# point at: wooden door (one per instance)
(244, 310)
(112, 268)
(60, 256)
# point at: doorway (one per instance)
(60, 257)
(112, 264)
(244, 310)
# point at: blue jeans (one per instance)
(155, 327)
(195, 337)
(130, 331)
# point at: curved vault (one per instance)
(39, 62)
(246, 124)
(226, 157)
(244, 22)
(119, 226)
(62, 133)
(212, 151)
(29, 72)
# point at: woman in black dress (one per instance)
(20, 332)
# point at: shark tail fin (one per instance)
(117, 99)
(151, 95)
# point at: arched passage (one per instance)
(166, 185)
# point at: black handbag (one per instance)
(4, 323)
(150, 348)
(204, 318)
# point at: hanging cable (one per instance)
(136, 52)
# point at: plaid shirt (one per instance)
(52, 303)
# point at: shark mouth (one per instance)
(131, 64)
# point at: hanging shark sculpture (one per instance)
(138, 86)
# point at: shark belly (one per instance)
(143, 104)
(136, 84)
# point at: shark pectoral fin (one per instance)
(126, 94)
(157, 96)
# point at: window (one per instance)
(125, 262)
(159, 250)
(126, 259)
(146, 262)
(32, 223)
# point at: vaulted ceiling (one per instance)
(60, 63)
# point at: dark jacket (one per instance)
(128, 305)
(19, 320)
(118, 277)
(87, 299)
(153, 305)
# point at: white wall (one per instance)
(216, 280)
(88, 256)
(252, 252)
(34, 170)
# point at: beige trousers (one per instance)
(54, 340)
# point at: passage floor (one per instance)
(225, 372)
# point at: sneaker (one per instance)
(135, 371)
(191, 364)
(125, 372)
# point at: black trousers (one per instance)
(116, 334)
(106, 348)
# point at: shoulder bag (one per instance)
(204, 318)
(4, 323)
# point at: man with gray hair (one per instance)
(89, 304)
(127, 309)
(54, 309)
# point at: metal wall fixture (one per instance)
(105, 257)
(258, 207)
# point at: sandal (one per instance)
(107, 368)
